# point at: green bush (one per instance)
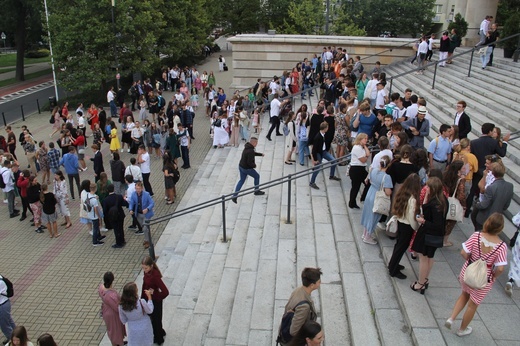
(460, 25)
(40, 53)
(511, 27)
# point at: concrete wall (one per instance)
(263, 56)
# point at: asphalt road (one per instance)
(12, 110)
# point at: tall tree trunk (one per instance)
(19, 38)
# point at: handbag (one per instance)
(476, 275)
(436, 241)
(482, 51)
(455, 210)
(391, 226)
(382, 201)
(512, 242)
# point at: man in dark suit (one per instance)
(462, 120)
(481, 147)
(330, 92)
(320, 150)
(496, 197)
(98, 161)
(114, 215)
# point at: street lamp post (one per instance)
(50, 50)
(115, 37)
(3, 37)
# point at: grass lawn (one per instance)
(7, 69)
(29, 76)
(10, 60)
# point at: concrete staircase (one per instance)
(234, 293)
(492, 95)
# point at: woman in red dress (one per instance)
(295, 80)
(93, 117)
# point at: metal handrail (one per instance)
(472, 51)
(224, 198)
(401, 46)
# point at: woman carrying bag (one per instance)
(488, 246)
(430, 235)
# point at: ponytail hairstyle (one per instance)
(384, 162)
(42, 192)
(148, 261)
(108, 279)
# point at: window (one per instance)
(438, 8)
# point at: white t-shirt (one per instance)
(137, 132)
(411, 111)
(110, 96)
(355, 154)
(275, 107)
(145, 165)
(130, 190)
(81, 122)
(380, 99)
(135, 172)
(376, 161)
(274, 87)
(423, 48)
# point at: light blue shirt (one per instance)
(440, 149)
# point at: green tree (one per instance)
(303, 17)
(83, 39)
(273, 13)
(460, 25)
(241, 17)
(397, 16)
(23, 20)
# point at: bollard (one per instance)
(23, 115)
(3, 117)
(147, 232)
(288, 221)
(224, 218)
(38, 104)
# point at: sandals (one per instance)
(68, 226)
(288, 163)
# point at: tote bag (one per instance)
(382, 201)
(455, 210)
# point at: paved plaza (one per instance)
(233, 293)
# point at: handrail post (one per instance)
(390, 90)
(148, 234)
(471, 62)
(289, 183)
(23, 115)
(3, 117)
(434, 76)
(224, 239)
(38, 104)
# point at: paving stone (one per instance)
(428, 336)
(348, 257)
(269, 247)
(387, 320)
(196, 331)
(193, 284)
(326, 253)
(260, 338)
(285, 269)
(252, 250)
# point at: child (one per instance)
(49, 215)
(381, 98)
(194, 98)
(184, 138)
(255, 121)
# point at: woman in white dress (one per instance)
(220, 134)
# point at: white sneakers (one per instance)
(464, 332)
(460, 332)
(369, 240)
(509, 288)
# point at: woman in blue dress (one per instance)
(370, 219)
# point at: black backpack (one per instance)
(284, 335)
(2, 183)
(10, 288)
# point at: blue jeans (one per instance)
(485, 58)
(303, 150)
(327, 156)
(306, 86)
(244, 172)
(113, 108)
(95, 231)
(6, 320)
(244, 132)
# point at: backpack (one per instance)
(52, 120)
(390, 109)
(176, 175)
(2, 183)
(284, 335)
(87, 206)
(217, 123)
(10, 287)
(161, 102)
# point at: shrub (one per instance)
(40, 53)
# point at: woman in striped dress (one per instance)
(488, 246)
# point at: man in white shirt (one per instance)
(111, 100)
(174, 76)
(143, 158)
(137, 134)
(276, 105)
(7, 177)
(130, 181)
(274, 85)
(134, 171)
(421, 53)
(484, 28)
(411, 111)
